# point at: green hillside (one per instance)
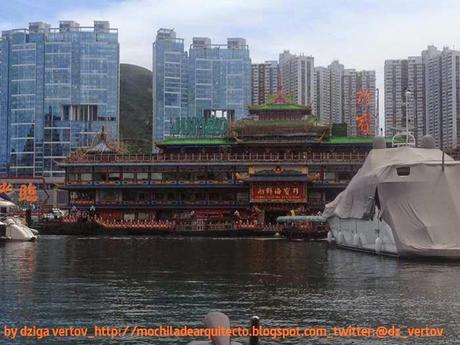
(136, 107)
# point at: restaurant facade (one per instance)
(278, 161)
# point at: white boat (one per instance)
(14, 228)
(404, 201)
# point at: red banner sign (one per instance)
(278, 192)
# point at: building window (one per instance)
(114, 176)
(142, 176)
(107, 196)
(86, 177)
(403, 171)
(82, 112)
(128, 176)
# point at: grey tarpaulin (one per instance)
(420, 203)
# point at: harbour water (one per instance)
(83, 281)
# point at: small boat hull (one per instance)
(15, 230)
(377, 237)
(374, 236)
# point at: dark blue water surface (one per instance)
(81, 282)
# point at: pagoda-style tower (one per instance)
(279, 121)
(279, 128)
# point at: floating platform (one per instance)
(92, 228)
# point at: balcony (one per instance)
(197, 158)
(159, 204)
(156, 184)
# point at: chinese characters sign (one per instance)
(278, 192)
(363, 121)
(5, 187)
(199, 126)
(27, 192)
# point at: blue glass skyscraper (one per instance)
(169, 81)
(3, 106)
(211, 77)
(58, 88)
(219, 76)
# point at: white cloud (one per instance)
(361, 34)
(138, 21)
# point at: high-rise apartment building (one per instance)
(323, 94)
(219, 76)
(433, 80)
(210, 77)
(170, 93)
(442, 91)
(264, 81)
(328, 92)
(336, 70)
(298, 77)
(401, 76)
(358, 99)
(4, 154)
(58, 88)
(346, 96)
(416, 107)
(396, 83)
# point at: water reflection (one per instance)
(61, 281)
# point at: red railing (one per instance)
(147, 224)
(248, 225)
(220, 157)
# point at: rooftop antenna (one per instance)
(377, 108)
(443, 160)
(441, 127)
(404, 136)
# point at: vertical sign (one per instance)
(363, 121)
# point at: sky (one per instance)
(361, 34)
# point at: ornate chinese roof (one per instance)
(283, 106)
(102, 145)
(280, 102)
(287, 129)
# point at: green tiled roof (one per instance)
(274, 106)
(353, 140)
(228, 141)
(196, 141)
(311, 121)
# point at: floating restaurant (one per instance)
(217, 173)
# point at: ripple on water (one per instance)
(82, 281)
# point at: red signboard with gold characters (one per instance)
(278, 192)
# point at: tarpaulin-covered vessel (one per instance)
(404, 201)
